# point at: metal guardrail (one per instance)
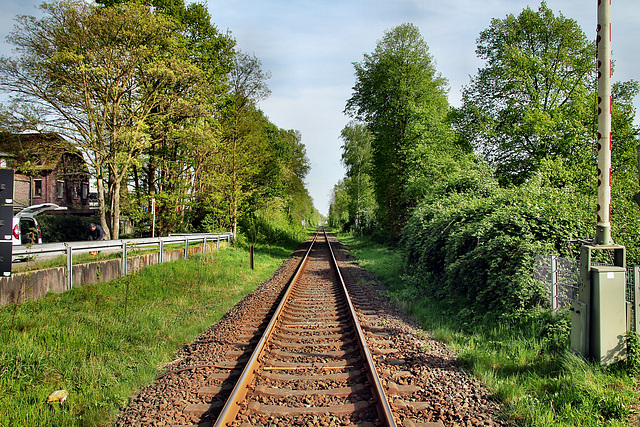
(69, 248)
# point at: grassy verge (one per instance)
(524, 360)
(61, 261)
(102, 342)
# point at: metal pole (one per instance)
(603, 42)
(153, 213)
(69, 267)
(554, 282)
(124, 258)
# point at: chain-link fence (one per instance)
(560, 278)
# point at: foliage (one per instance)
(339, 206)
(80, 340)
(476, 244)
(633, 352)
(71, 66)
(402, 100)
(357, 159)
(534, 98)
(272, 225)
(159, 101)
(65, 228)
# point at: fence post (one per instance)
(161, 254)
(124, 258)
(554, 282)
(204, 244)
(217, 242)
(636, 298)
(69, 250)
(186, 247)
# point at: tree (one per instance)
(242, 139)
(98, 76)
(171, 167)
(532, 99)
(339, 206)
(357, 159)
(402, 99)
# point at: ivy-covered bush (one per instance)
(65, 228)
(474, 243)
(272, 226)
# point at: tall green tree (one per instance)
(242, 140)
(339, 205)
(171, 168)
(98, 77)
(357, 158)
(533, 98)
(402, 99)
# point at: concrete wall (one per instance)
(33, 285)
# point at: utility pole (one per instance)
(599, 314)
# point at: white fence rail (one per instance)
(71, 248)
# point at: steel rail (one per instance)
(384, 409)
(232, 406)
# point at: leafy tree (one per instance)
(339, 206)
(171, 167)
(98, 76)
(534, 98)
(402, 100)
(242, 145)
(357, 159)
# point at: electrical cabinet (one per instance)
(608, 314)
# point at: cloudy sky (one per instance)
(309, 47)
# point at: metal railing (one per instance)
(71, 248)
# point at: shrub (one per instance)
(65, 228)
(478, 243)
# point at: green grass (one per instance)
(524, 360)
(103, 342)
(33, 263)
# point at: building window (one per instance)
(37, 188)
(60, 189)
(76, 190)
(85, 191)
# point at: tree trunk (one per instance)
(101, 203)
(115, 208)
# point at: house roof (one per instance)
(44, 150)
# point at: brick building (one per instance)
(48, 169)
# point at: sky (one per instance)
(309, 48)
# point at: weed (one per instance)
(633, 353)
(422, 335)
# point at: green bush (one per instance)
(475, 243)
(65, 228)
(271, 227)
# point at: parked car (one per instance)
(25, 226)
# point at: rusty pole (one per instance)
(603, 42)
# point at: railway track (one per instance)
(312, 360)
